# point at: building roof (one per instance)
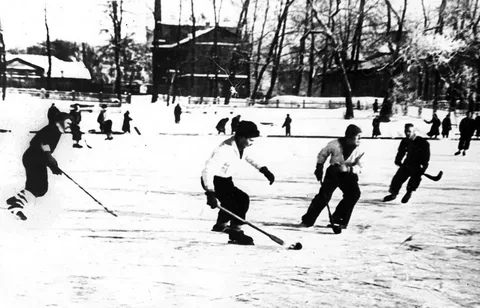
(198, 33)
(60, 68)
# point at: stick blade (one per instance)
(276, 239)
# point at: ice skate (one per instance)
(464, 152)
(220, 228)
(457, 153)
(407, 197)
(389, 198)
(78, 146)
(239, 238)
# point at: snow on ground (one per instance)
(160, 252)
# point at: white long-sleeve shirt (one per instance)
(335, 151)
(223, 161)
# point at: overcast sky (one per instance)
(82, 20)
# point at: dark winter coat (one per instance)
(52, 113)
(435, 128)
(287, 122)
(417, 153)
(467, 127)
(376, 127)
(446, 126)
(126, 122)
(477, 125)
(234, 123)
(221, 125)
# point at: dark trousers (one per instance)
(464, 142)
(348, 184)
(287, 130)
(403, 173)
(107, 127)
(76, 133)
(231, 198)
(36, 170)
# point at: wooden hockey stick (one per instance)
(435, 178)
(105, 208)
(272, 237)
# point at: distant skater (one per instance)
(467, 128)
(344, 166)
(446, 126)
(126, 122)
(435, 128)
(416, 151)
(376, 127)
(375, 106)
(234, 123)
(218, 183)
(52, 113)
(221, 125)
(36, 159)
(177, 111)
(287, 124)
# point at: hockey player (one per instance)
(345, 165)
(376, 127)
(36, 159)
(76, 117)
(446, 126)
(417, 151)
(126, 122)
(218, 184)
(467, 128)
(434, 129)
(221, 125)
(287, 124)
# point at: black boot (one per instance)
(219, 227)
(406, 197)
(239, 238)
(389, 198)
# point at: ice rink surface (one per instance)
(160, 251)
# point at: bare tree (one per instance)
(276, 59)
(156, 36)
(115, 12)
(193, 50)
(49, 53)
(3, 65)
(256, 74)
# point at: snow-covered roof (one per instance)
(60, 68)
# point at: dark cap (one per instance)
(62, 116)
(352, 131)
(247, 129)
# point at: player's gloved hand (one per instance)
(319, 172)
(211, 200)
(270, 177)
(423, 168)
(342, 167)
(52, 163)
(398, 163)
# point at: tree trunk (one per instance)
(311, 57)
(156, 36)
(117, 28)
(273, 45)
(3, 67)
(49, 55)
(259, 49)
(276, 62)
(191, 84)
(301, 53)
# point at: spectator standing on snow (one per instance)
(446, 126)
(52, 113)
(345, 165)
(287, 124)
(477, 125)
(101, 118)
(376, 127)
(375, 106)
(107, 125)
(177, 111)
(218, 184)
(36, 159)
(234, 123)
(467, 128)
(126, 122)
(221, 125)
(76, 117)
(435, 128)
(416, 151)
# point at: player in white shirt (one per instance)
(218, 184)
(345, 165)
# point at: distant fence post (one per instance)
(100, 96)
(278, 103)
(303, 104)
(73, 95)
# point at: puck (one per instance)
(296, 246)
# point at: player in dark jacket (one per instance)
(76, 117)
(446, 126)
(417, 151)
(36, 159)
(221, 125)
(287, 124)
(467, 128)
(477, 125)
(52, 113)
(126, 122)
(376, 127)
(434, 129)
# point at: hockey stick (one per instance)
(272, 237)
(434, 177)
(105, 208)
(335, 228)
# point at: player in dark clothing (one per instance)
(376, 127)
(126, 122)
(52, 112)
(234, 123)
(177, 111)
(435, 128)
(342, 173)
(76, 117)
(36, 159)
(287, 124)
(477, 125)
(467, 128)
(221, 125)
(417, 151)
(446, 126)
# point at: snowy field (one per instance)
(160, 251)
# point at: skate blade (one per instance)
(238, 243)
